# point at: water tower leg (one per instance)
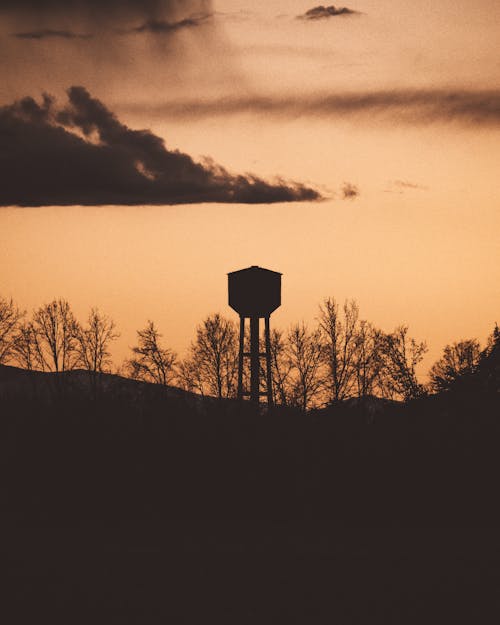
(254, 360)
(240, 358)
(268, 364)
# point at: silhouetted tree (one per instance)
(93, 341)
(367, 361)
(189, 376)
(488, 369)
(281, 367)
(458, 360)
(25, 349)
(338, 338)
(10, 317)
(304, 359)
(55, 330)
(212, 364)
(151, 362)
(400, 357)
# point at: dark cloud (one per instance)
(52, 6)
(349, 191)
(47, 33)
(480, 108)
(322, 12)
(164, 26)
(82, 154)
(103, 14)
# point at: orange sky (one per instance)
(420, 244)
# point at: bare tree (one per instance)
(212, 364)
(55, 330)
(93, 342)
(304, 357)
(189, 376)
(25, 350)
(400, 356)
(458, 360)
(367, 361)
(338, 336)
(488, 369)
(281, 368)
(151, 362)
(10, 317)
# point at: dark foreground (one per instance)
(154, 509)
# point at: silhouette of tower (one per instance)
(254, 293)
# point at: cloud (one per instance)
(82, 154)
(406, 184)
(104, 14)
(47, 33)
(164, 26)
(349, 191)
(400, 186)
(241, 15)
(322, 12)
(100, 6)
(481, 107)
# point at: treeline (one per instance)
(342, 357)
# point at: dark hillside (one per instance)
(173, 509)
(140, 452)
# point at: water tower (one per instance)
(255, 293)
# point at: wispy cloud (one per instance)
(167, 27)
(100, 7)
(406, 184)
(349, 191)
(47, 33)
(82, 154)
(98, 15)
(401, 186)
(480, 107)
(325, 12)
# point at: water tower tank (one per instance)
(254, 292)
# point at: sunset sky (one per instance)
(358, 154)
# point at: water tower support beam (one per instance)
(254, 360)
